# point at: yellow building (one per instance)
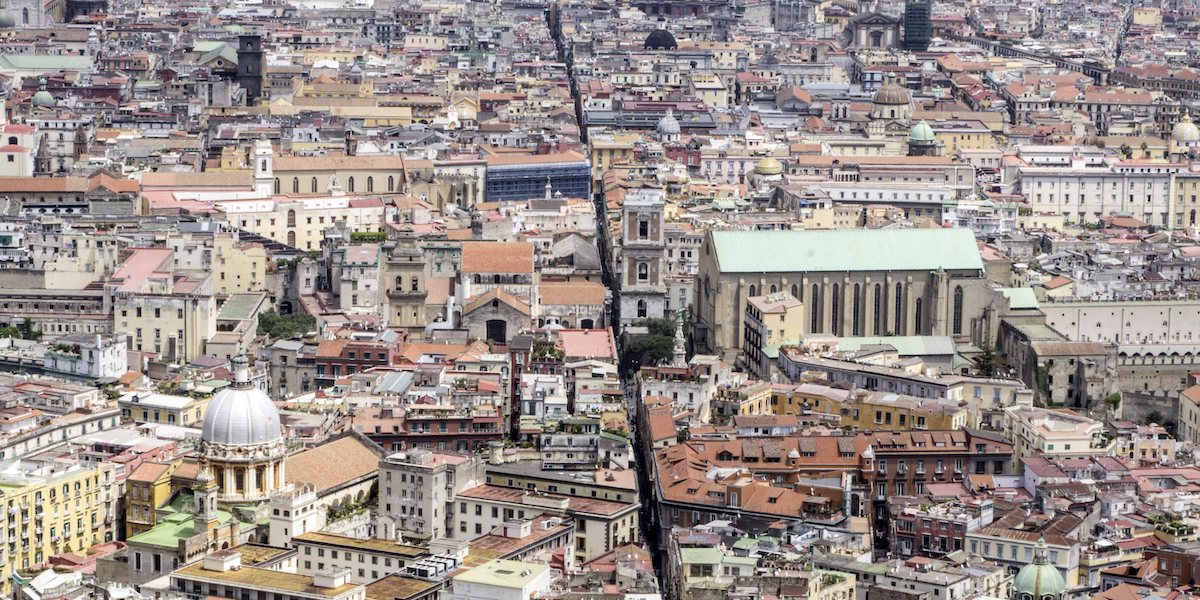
(162, 313)
(606, 148)
(875, 411)
(1187, 199)
(770, 320)
(710, 89)
(163, 409)
(327, 87)
(238, 267)
(753, 398)
(958, 135)
(1147, 16)
(147, 489)
(51, 510)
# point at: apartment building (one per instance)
(50, 509)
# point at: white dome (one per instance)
(1185, 131)
(241, 414)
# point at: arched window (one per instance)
(920, 328)
(643, 271)
(774, 289)
(795, 291)
(856, 306)
(391, 183)
(880, 312)
(370, 184)
(641, 309)
(753, 290)
(898, 324)
(835, 315)
(24, 16)
(295, 185)
(958, 309)
(814, 308)
(276, 185)
(291, 218)
(350, 184)
(314, 185)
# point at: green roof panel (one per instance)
(846, 250)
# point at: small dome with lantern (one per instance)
(668, 125)
(768, 165)
(922, 132)
(891, 93)
(43, 97)
(660, 39)
(1039, 580)
(1185, 131)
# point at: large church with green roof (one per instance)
(851, 282)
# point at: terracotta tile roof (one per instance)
(149, 472)
(571, 293)
(497, 257)
(335, 463)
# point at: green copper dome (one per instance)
(921, 132)
(1039, 580)
(43, 98)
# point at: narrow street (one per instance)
(647, 517)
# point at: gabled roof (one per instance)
(498, 295)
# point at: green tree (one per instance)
(659, 327)
(988, 361)
(649, 350)
(1126, 151)
(8, 331)
(1113, 400)
(285, 326)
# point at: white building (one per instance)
(93, 356)
(1083, 194)
(543, 397)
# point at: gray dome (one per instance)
(241, 414)
(668, 125)
(7, 20)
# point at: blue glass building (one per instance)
(508, 179)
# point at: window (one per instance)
(856, 306)
(815, 319)
(835, 316)
(917, 317)
(879, 311)
(899, 309)
(958, 310)
(643, 271)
